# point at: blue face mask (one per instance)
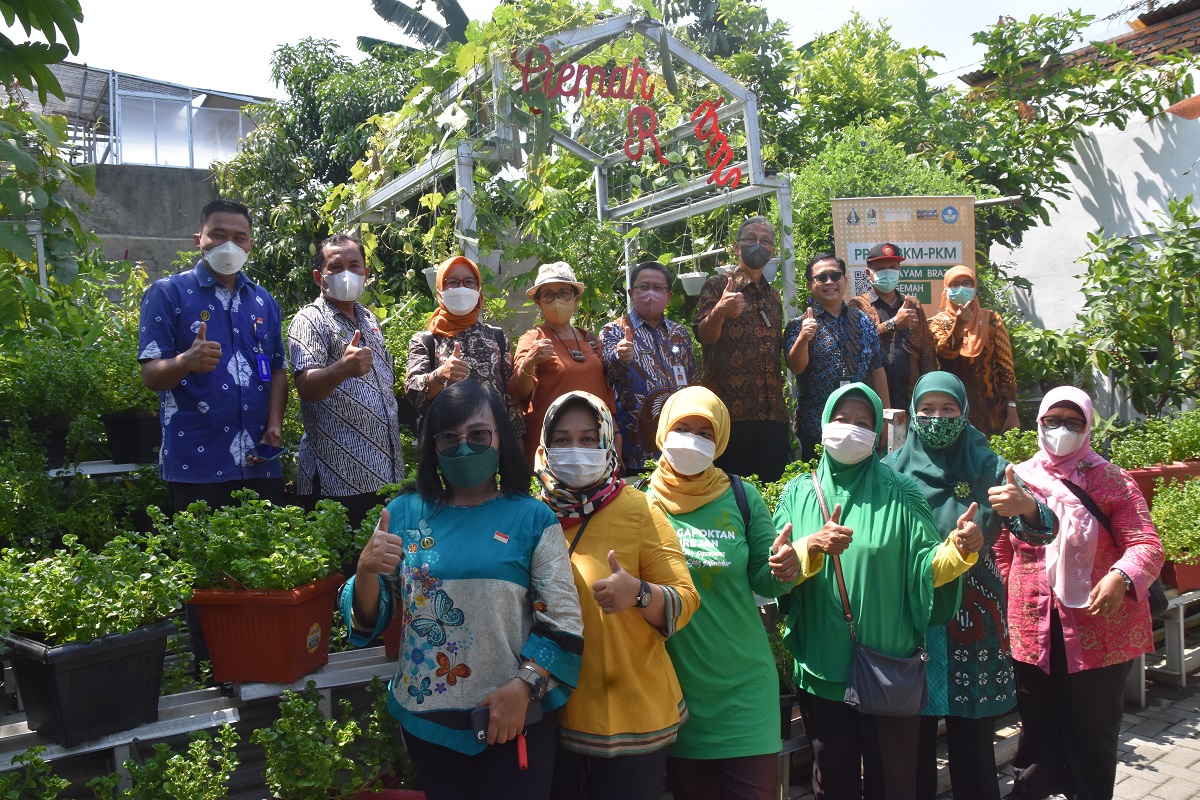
(886, 280)
(961, 295)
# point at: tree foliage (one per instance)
(27, 62)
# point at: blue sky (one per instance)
(227, 44)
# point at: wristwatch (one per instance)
(890, 325)
(538, 683)
(440, 378)
(1124, 577)
(1011, 404)
(644, 596)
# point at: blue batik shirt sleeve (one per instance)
(156, 331)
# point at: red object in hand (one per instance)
(522, 753)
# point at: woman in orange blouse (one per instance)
(972, 343)
(555, 357)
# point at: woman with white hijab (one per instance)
(1078, 612)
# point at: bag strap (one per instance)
(578, 533)
(430, 346)
(837, 562)
(501, 342)
(739, 495)
(1090, 504)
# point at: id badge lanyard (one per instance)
(261, 359)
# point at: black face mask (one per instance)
(755, 256)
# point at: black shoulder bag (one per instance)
(1157, 594)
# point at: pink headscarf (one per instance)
(1070, 555)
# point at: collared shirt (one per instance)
(844, 350)
(644, 384)
(743, 366)
(352, 437)
(907, 354)
(212, 420)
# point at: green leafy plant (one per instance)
(1015, 446)
(311, 757)
(771, 492)
(75, 594)
(1176, 515)
(257, 545)
(34, 781)
(201, 772)
(1158, 440)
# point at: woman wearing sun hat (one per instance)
(555, 357)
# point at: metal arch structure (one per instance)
(502, 142)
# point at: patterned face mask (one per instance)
(940, 432)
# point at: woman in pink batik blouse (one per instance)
(1078, 613)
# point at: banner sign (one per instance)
(933, 234)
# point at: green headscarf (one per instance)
(968, 464)
(888, 566)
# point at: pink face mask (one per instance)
(650, 304)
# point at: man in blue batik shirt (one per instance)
(210, 345)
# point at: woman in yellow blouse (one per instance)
(635, 591)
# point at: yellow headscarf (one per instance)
(680, 494)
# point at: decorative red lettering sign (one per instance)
(718, 155)
(643, 123)
(569, 79)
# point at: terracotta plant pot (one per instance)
(1184, 577)
(1146, 478)
(267, 636)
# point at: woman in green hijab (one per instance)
(900, 579)
(956, 471)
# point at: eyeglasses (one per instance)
(642, 288)
(465, 283)
(828, 277)
(1054, 423)
(480, 438)
(561, 294)
(751, 241)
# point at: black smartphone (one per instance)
(480, 717)
(265, 452)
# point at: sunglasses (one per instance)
(828, 277)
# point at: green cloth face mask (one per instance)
(940, 432)
(468, 467)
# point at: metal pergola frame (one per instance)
(646, 212)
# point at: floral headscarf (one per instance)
(979, 328)
(569, 504)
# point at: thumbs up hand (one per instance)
(203, 355)
(1010, 499)
(832, 539)
(968, 537)
(357, 359)
(383, 552)
(784, 561)
(619, 590)
(455, 368)
(808, 328)
(732, 302)
(625, 347)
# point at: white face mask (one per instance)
(1060, 441)
(225, 259)
(345, 285)
(688, 453)
(846, 443)
(459, 301)
(577, 467)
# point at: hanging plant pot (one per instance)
(134, 436)
(1145, 478)
(81, 691)
(276, 636)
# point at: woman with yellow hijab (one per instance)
(723, 660)
(457, 345)
(973, 345)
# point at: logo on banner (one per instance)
(852, 218)
(872, 218)
(949, 215)
(927, 213)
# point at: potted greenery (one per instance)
(1176, 515)
(313, 757)
(202, 772)
(1160, 447)
(89, 633)
(127, 408)
(1016, 446)
(266, 583)
(36, 781)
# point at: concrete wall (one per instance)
(1121, 179)
(148, 212)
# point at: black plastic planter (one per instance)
(133, 436)
(81, 691)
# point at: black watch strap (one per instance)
(644, 596)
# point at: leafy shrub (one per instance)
(1176, 514)
(1015, 446)
(202, 772)
(257, 545)
(1159, 440)
(771, 492)
(35, 782)
(76, 595)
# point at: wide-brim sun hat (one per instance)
(554, 272)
